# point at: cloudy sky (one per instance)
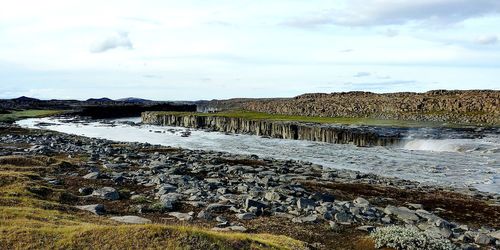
(187, 50)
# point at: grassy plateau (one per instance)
(31, 113)
(323, 120)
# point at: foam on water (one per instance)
(452, 162)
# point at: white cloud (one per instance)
(486, 40)
(398, 12)
(362, 74)
(119, 40)
(390, 32)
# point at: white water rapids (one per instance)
(450, 162)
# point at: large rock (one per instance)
(483, 239)
(131, 219)
(361, 202)
(303, 203)
(249, 203)
(97, 209)
(402, 213)
(107, 193)
(230, 228)
(343, 218)
(306, 219)
(245, 216)
(272, 196)
(217, 208)
(181, 216)
(91, 176)
(495, 234)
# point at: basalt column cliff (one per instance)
(275, 129)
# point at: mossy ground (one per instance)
(33, 215)
(18, 115)
(323, 120)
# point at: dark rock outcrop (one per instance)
(276, 129)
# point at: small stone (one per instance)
(415, 206)
(333, 225)
(386, 219)
(368, 229)
(85, 190)
(221, 219)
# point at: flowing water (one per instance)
(450, 162)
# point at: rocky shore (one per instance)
(142, 183)
(277, 129)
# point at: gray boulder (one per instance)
(131, 219)
(402, 213)
(361, 202)
(97, 209)
(303, 203)
(343, 218)
(181, 216)
(91, 176)
(272, 196)
(249, 203)
(245, 216)
(107, 193)
(483, 239)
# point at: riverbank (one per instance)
(327, 208)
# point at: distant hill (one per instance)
(134, 100)
(100, 100)
(25, 99)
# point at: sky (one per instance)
(198, 49)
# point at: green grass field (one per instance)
(18, 115)
(326, 120)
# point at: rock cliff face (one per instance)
(472, 106)
(276, 129)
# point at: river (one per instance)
(449, 162)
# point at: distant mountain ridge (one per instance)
(134, 100)
(103, 99)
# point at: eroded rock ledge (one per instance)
(359, 136)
